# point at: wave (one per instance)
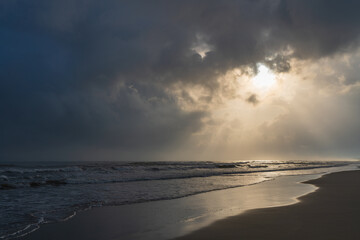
(153, 171)
(56, 193)
(39, 170)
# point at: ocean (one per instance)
(32, 194)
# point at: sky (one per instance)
(179, 80)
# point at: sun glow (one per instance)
(265, 78)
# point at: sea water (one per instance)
(32, 194)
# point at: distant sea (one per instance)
(35, 193)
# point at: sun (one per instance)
(265, 79)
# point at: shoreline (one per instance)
(182, 215)
(106, 222)
(330, 212)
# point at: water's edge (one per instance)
(201, 218)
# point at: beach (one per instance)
(332, 212)
(278, 209)
(176, 120)
(148, 200)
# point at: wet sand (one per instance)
(331, 212)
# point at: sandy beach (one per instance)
(158, 120)
(332, 212)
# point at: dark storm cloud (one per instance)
(319, 28)
(253, 99)
(279, 63)
(62, 62)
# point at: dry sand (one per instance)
(332, 212)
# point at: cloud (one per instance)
(253, 99)
(94, 75)
(279, 63)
